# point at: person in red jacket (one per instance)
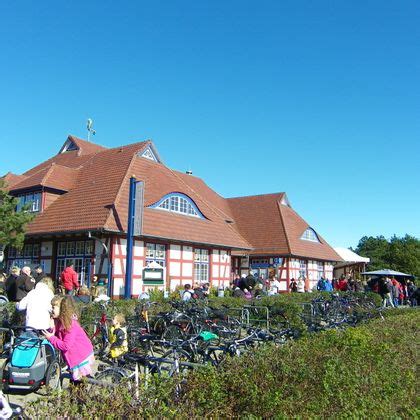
(69, 279)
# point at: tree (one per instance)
(12, 223)
(400, 254)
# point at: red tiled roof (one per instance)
(159, 181)
(88, 206)
(53, 176)
(97, 181)
(86, 147)
(12, 179)
(275, 229)
(295, 226)
(258, 220)
(70, 159)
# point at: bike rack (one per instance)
(264, 319)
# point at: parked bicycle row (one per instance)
(152, 341)
(194, 333)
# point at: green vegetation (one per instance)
(400, 254)
(364, 372)
(12, 223)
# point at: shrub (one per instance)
(361, 372)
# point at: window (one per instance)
(178, 203)
(61, 249)
(149, 154)
(302, 268)
(80, 247)
(78, 253)
(32, 199)
(201, 265)
(28, 256)
(156, 253)
(320, 269)
(309, 235)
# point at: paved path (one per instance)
(21, 398)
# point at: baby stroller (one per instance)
(31, 361)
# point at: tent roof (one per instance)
(349, 256)
(387, 272)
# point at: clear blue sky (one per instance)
(320, 99)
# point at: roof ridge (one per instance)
(46, 176)
(255, 195)
(76, 139)
(125, 146)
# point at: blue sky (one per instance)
(320, 99)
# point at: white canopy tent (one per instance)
(349, 257)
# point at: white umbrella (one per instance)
(386, 272)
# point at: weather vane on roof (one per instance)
(90, 128)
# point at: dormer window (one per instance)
(310, 235)
(69, 146)
(178, 203)
(33, 199)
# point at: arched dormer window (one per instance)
(178, 203)
(310, 235)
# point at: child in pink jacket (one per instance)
(70, 338)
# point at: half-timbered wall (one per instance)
(119, 253)
(220, 268)
(180, 265)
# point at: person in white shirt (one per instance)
(38, 305)
(274, 287)
(300, 285)
(188, 293)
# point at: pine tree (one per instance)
(12, 223)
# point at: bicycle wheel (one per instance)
(173, 332)
(110, 376)
(99, 339)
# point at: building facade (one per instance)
(190, 234)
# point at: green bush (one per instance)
(364, 372)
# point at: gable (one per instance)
(69, 146)
(150, 153)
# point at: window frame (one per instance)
(201, 265)
(178, 203)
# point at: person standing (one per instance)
(188, 293)
(274, 287)
(250, 281)
(38, 274)
(293, 286)
(395, 291)
(385, 292)
(300, 285)
(328, 287)
(70, 338)
(37, 304)
(10, 285)
(24, 283)
(69, 279)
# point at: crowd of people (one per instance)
(21, 281)
(393, 292)
(56, 317)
